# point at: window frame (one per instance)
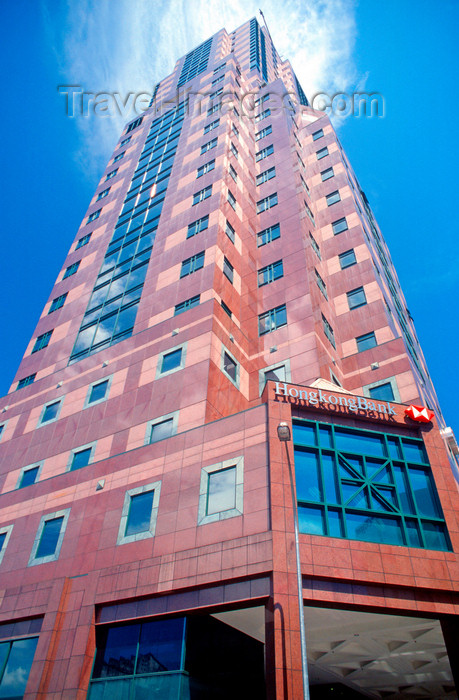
(161, 356)
(327, 170)
(71, 270)
(174, 416)
(61, 296)
(228, 269)
(335, 224)
(268, 231)
(27, 468)
(341, 258)
(271, 314)
(203, 517)
(333, 198)
(353, 293)
(224, 351)
(316, 135)
(366, 336)
(197, 224)
(192, 261)
(43, 338)
(5, 530)
(322, 153)
(60, 401)
(81, 448)
(388, 380)
(122, 538)
(187, 304)
(87, 403)
(262, 373)
(33, 559)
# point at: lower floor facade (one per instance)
(171, 572)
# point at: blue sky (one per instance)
(405, 162)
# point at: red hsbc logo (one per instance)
(421, 414)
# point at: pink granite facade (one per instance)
(287, 278)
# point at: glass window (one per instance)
(234, 150)
(382, 392)
(50, 412)
(16, 659)
(328, 330)
(321, 284)
(42, 341)
(317, 134)
(267, 203)
(315, 246)
(118, 157)
(208, 146)
(25, 381)
(264, 132)
(133, 125)
(99, 391)
(309, 212)
(111, 174)
(278, 374)
(190, 265)
(187, 304)
(85, 239)
(327, 174)
(332, 198)
(103, 194)
(162, 430)
(140, 511)
(71, 269)
(139, 515)
(226, 308)
(95, 214)
(272, 319)
(264, 153)
(356, 298)
(213, 125)
(230, 232)
(206, 168)
(202, 195)
(230, 367)
(49, 537)
(233, 173)
(57, 303)
(231, 199)
(228, 269)
(270, 273)
(80, 458)
(366, 341)
(268, 234)
(339, 226)
(266, 175)
(347, 259)
(221, 494)
(171, 360)
(347, 486)
(137, 648)
(198, 226)
(322, 153)
(29, 476)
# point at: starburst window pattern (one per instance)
(366, 485)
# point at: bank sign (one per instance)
(334, 402)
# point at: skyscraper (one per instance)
(228, 277)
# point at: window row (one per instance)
(220, 497)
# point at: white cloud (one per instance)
(128, 45)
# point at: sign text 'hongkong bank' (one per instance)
(334, 401)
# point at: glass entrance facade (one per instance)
(366, 485)
(183, 658)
